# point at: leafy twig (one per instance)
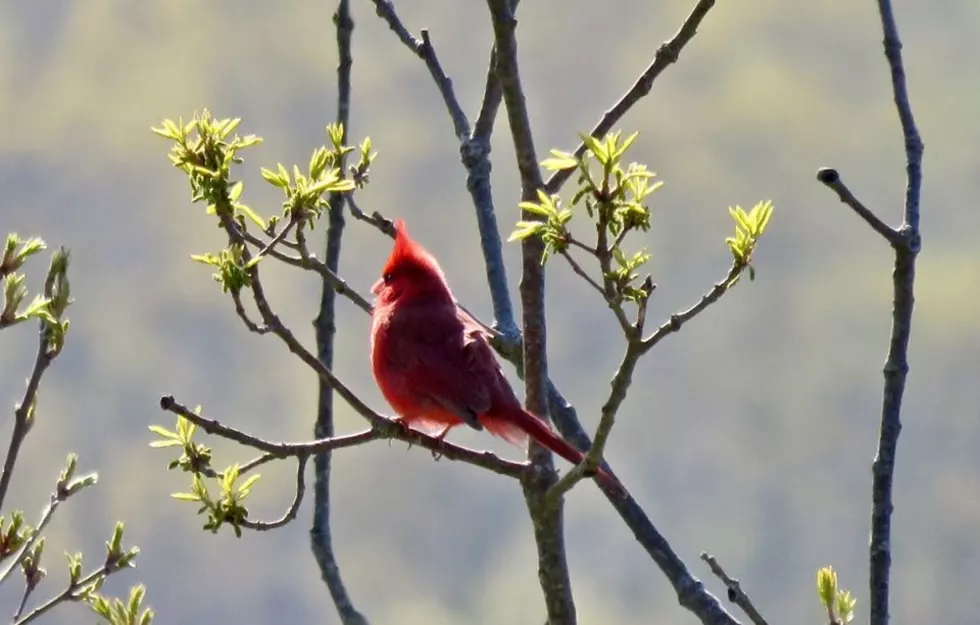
(667, 54)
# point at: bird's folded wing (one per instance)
(448, 368)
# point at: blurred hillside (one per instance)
(749, 435)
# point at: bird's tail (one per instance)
(542, 433)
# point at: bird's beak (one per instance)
(376, 289)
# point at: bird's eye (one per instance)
(387, 277)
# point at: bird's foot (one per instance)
(440, 439)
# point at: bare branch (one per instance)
(290, 513)
(832, 180)
(321, 542)
(735, 593)
(424, 50)
(376, 219)
(617, 395)
(474, 153)
(583, 274)
(546, 514)
(896, 364)
(312, 263)
(666, 54)
(677, 320)
(483, 127)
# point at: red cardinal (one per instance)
(434, 364)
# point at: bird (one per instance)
(433, 361)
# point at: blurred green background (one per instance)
(749, 435)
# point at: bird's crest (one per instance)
(409, 252)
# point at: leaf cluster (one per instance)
(206, 150)
(21, 545)
(749, 227)
(224, 507)
(49, 307)
(838, 602)
(614, 196)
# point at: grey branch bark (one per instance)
(321, 541)
(906, 241)
(546, 515)
(896, 365)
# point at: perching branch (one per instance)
(906, 242)
(735, 593)
(667, 54)
(381, 428)
(321, 539)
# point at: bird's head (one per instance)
(411, 272)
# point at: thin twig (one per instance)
(23, 413)
(735, 593)
(832, 180)
(256, 462)
(677, 320)
(236, 297)
(424, 50)
(290, 513)
(67, 594)
(666, 54)
(582, 273)
(312, 263)
(896, 364)
(485, 119)
(605, 258)
(582, 246)
(617, 395)
(56, 498)
(376, 219)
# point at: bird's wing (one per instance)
(443, 360)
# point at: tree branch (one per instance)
(896, 364)
(290, 513)
(831, 179)
(424, 50)
(667, 54)
(677, 320)
(321, 539)
(382, 428)
(546, 514)
(474, 152)
(24, 412)
(735, 593)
